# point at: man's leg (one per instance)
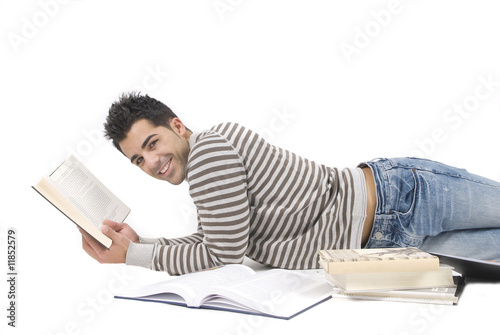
(447, 207)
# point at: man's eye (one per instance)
(139, 161)
(152, 144)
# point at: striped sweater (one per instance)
(257, 200)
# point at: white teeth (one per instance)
(165, 168)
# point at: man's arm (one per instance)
(193, 238)
(218, 185)
(123, 236)
(217, 181)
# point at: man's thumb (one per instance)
(112, 224)
(109, 232)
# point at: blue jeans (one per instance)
(435, 207)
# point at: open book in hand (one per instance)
(237, 288)
(79, 195)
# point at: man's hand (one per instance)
(120, 233)
(123, 229)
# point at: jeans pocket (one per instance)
(403, 191)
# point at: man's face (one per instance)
(160, 152)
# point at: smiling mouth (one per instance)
(166, 167)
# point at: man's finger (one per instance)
(110, 232)
(93, 248)
(116, 226)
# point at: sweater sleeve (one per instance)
(217, 185)
(141, 254)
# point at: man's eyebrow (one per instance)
(147, 140)
(142, 147)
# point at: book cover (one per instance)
(380, 281)
(472, 268)
(437, 295)
(377, 260)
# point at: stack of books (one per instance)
(396, 274)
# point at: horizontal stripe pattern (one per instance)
(257, 200)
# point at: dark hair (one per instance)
(130, 108)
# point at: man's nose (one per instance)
(151, 161)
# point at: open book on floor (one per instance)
(274, 293)
(79, 195)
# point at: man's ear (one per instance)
(178, 127)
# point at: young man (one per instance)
(254, 199)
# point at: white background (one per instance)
(336, 81)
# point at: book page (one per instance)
(87, 193)
(189, 285)
(275, 292)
